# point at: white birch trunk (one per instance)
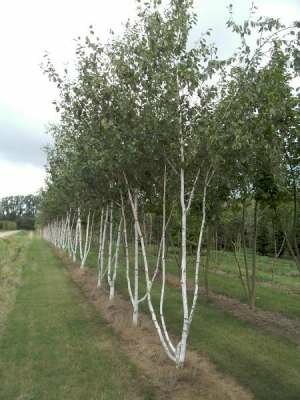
(88, 239)
(80, 235)
(110, 245)
(101, 260)
(76, 239)
(126, 250)
(100, 238)
(116, 263)
(135, 315)
(84, 249)
(163, 341)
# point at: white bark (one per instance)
(181, 347)
(80, 235)
(100, 237)
(110, 244)
(148, 281)
(126, 250)
(76, 238)
(116, 263)
(101, 260)
(136, 268)
(88, 240)
(163, 264)
(176, 353)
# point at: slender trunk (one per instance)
(110, 245)
(76, 239)
(136, 267)
(163, 264)
(253, 274)
(207, 261)
(101, 261)
(88, 238)
(150, 232)
(84, 253)
(126, 250)
(236, 250)
(116, 262)
(181, 351)
(79, 235)
(244, 246)
(148, 281)
(145, 228)
(100, 238)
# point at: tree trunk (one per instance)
(101, 261)
(207, 261)
(253, 273)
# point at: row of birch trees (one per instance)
(157, 132)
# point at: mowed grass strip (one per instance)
(55, 346)
(266, 364)
(268, 298)
(12, 250)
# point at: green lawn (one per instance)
(268, 365)
(223, 279)
(277, 271)
(55, 345)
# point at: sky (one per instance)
(29, 28)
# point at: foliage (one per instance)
(18, 211)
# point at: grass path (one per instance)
(55, 346)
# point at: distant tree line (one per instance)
(18, 212)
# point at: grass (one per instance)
(223, 279)
(276, 271)
(268, 365)
(55, 346)
(11, 261)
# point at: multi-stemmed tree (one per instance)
(153, 127)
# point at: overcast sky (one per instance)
(28, 28)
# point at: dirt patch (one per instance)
(272, 322)
(199, 379)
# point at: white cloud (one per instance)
(16, 178)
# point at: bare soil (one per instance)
(199, 379)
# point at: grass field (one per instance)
(54, 345)
(282, 294)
